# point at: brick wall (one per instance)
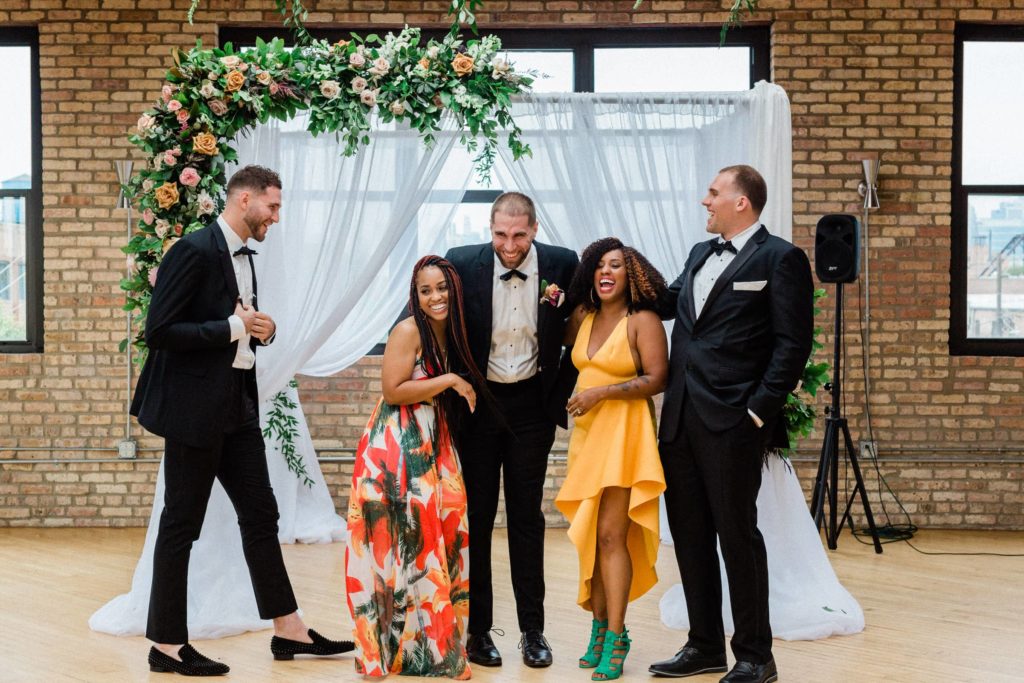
(864, 77)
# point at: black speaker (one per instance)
(837, 248)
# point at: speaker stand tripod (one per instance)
(826, 483)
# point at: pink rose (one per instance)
(189, 177)
(148, 217)
(274, 87)
(170, 159)
(182, 116)
(173, 105)
(218, 107)
(152, 276)
(166, 93)
(177, 229)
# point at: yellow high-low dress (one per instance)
(613, 444)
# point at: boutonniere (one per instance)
(551, 294)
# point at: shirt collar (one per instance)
(741, 239)
(528, 267)
(230, 236)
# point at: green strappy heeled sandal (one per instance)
(593, 655)
(613, 656)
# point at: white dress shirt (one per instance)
(705, 278)
(244, 356)
(514, 303)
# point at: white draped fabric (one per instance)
(636, 166)
(805, 599)
(333, 275)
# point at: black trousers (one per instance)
(238, 460)
(516, 443)
(712, 481)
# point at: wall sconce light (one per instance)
(868, 188)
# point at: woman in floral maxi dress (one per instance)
(406, 562)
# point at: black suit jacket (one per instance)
(183, 390)
(557, 265)
(749, 346)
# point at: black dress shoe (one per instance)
(536, 650)
(283, 648)
(748, 672)
(192, 663)
(689, 661)
(481, 650)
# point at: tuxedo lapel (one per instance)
(230, 281)
(687, 291)
(483, 290)
(740, 259)
(545, 270)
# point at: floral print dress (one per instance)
(406, 561)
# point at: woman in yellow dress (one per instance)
(611, 489)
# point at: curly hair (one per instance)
(644, 283)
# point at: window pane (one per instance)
(15, 116)
(671, 69)
(12, 268)
(993, 106)
(995, 267)
(554, 66)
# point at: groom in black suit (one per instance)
(198, 391)
(515, 320)
(744, 319)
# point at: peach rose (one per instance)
(263, 78)
(462, 64)
(424, 62)
(341, 44)
(166, 195)
(235, 80)
(204, 143)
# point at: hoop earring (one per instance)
(592, 300)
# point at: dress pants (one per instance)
(513, 437)
(238, 459)
(712, 481)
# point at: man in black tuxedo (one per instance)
(515, 320)
(198, 391)
(744, 319)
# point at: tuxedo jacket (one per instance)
(748, 347)
(183, 390)
(556, 265)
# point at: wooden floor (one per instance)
(929, 618)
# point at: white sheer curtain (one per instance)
(334, 275)
(636, 166)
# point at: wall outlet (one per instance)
(127, 449)
(868, 450)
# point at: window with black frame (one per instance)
(21, 305)
(589, 60)
(987, 297)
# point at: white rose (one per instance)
(368, 97)
(205, 204)
(230, 61)
(162, 228)
(330, 89)
(380, 66)
(145, 123)
(359, 84)
(357, 60)
(147, 185)
(433, 51)
(397, 108)
(207, 90)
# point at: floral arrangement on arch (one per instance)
(211, 95)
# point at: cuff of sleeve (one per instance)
(753, 416)
(237, 327)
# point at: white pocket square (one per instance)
(752, 286)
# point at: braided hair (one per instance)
(447, 404)
(644, 284)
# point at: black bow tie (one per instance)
(507, 275)
(244, 251)
(719, 247)
(249, 253)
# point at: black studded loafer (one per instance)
(192, 663)
(283, 648)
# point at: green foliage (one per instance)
(799, 411)
(212, 95)
(284, 427)
(735, 15)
